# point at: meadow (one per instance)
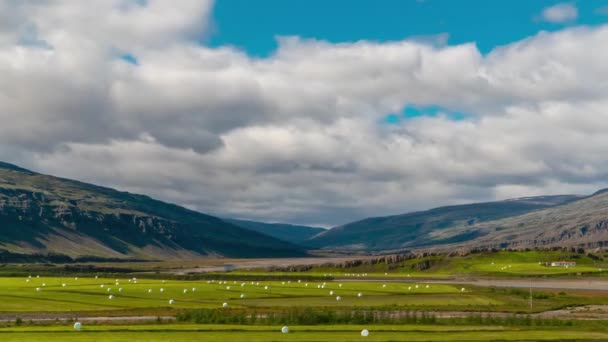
(48, 294)
(189, 332)
(485, 264)
(395, 302)
(508, 264)
(120, 296)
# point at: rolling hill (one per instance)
(423, 228)
(581, 223)
(42, 214)
(287, 232)
(46, 214)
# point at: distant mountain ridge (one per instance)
(46, 214)
(580, 223)
(287, 232)
(8, 166)
(420, 229)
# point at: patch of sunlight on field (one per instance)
(530, 268)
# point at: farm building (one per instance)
(562, 263)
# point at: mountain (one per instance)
(286, 232)
(46, 214)
(419, 229)
(580, 223)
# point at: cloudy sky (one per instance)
(311, 112)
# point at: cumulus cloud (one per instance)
(560, 13)
(298, 136)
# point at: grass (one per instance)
(84, 294)
(289, 301)
(87, 296)
(489, 264)
(511, 264)
(189, 332)
(284, 300)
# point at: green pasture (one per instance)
(47, 294)
(491, 264)
(144, 297)
(508, 264)
(189, 332)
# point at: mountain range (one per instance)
(580, 223)
(41, 214)
(296, 234)
(46, 214)
(544, 221)
(419, 229)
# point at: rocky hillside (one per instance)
(45, 214)
(581, 223)
(424, 228)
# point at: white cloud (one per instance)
(560, 13)
(120, 24)
(296, 136)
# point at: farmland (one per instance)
(42, 294)
(158, 302)
(488, 264)
(187, 332)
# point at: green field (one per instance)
(152, 296)
(491, 264)
(188, 332)
(501, 264)
(47, 294)
(306, 301)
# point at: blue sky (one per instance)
(411, 111)
(253, 25)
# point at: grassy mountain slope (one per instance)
(286, 232)
(581, 223)
(418, 229)
(45, 214)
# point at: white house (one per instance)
(563, 263)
